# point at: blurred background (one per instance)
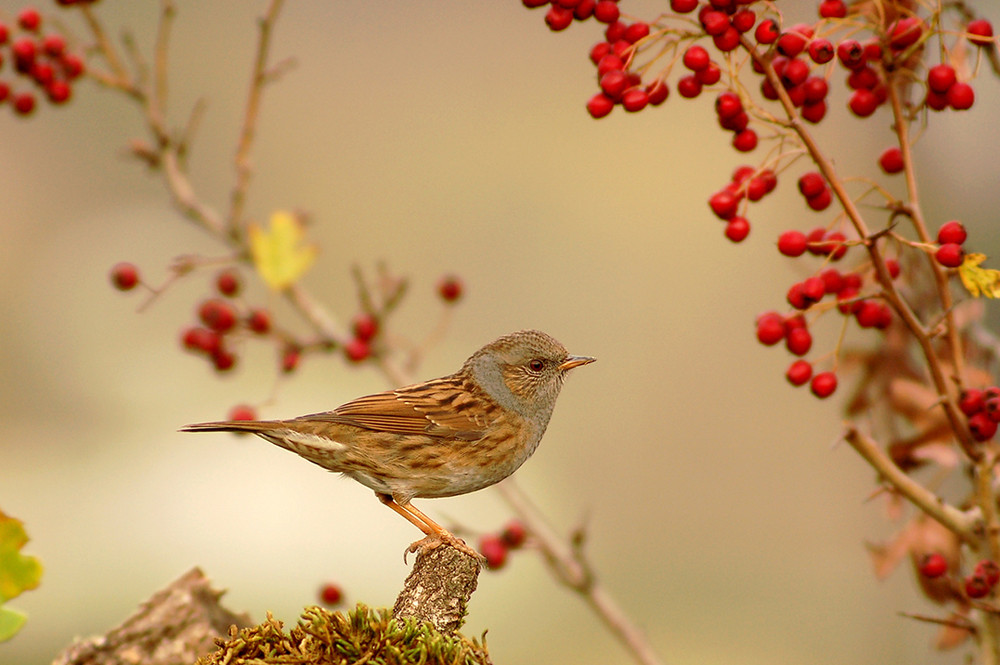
(447, 138)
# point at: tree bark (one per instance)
(175, 627)
(438, 588)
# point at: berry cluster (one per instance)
(982, 408)
(978, 584)
(795, 66)
(225, 320)
(562, 13)
(42, 60)
(496, 546)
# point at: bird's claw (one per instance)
(435, 540)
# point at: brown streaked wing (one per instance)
(441, 407)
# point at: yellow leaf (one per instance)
(985, 281)
(279, 252)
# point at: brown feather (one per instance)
(427, 408)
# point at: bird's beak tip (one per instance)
(575, 361)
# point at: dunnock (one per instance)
(443, 437)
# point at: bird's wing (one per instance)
(443, 407)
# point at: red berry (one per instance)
(821, 51)
(814, 288)
(58, 91)
(793, 41)
(330, 594)
(823, 384)
(795, 71)
(599, 51)
(869, 314)
(792, 243)
(821, 201)
(980, 32)
(54, 45)
(863, 102)
(952, 231)
(584, 9)
(799, 372)
(892, 265)
(743, 20)
(259, 321)
(727, 40)
(365, 326)
(745, 141)
(696, 58)
(29, 19)
(905, 32)
(228, 283)
(770, 328)
(72, 66)
(976, 586)
(891, 160)
(989, 570)
(811, 184)
(606, 11)
(832, 9)
(960, 96)
(723, 204)
(357, 350)
(24, 103)
(814, 111)
(223, 359)
(614, 83)
(940, 78)
(933, 565)
(833, 281)
(202, 340)
(125, 276)
(558, 18)
(24, 53)
(728, 105)
(982, 426)
(737, 229)
(514, 534)
(971, 401)
(600, 105)
(798, 341)
(710, 75)
(950, 255)
(636, 31)
(290, 358)
(658, 92)
(991, 407)
(450, 288)
(242, 412)
(635, 99)
(851, 53)
(494, 550)
(683, 6)
(217, 315)
(766, 32)
(715, 22)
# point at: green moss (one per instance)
(362, 636)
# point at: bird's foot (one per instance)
(436, 540)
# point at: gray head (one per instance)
(524, 372)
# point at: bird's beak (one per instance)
(575, 361)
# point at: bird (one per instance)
(444, 437)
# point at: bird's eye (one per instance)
(536, 365)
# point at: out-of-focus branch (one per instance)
(571, 568)
(963, 524)
(244, 169)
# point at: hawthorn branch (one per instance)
(923, 337)
(963, 524)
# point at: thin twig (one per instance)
(963, 524)
(259, 78)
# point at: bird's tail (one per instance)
(249, 426)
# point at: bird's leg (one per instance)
(435, 533)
